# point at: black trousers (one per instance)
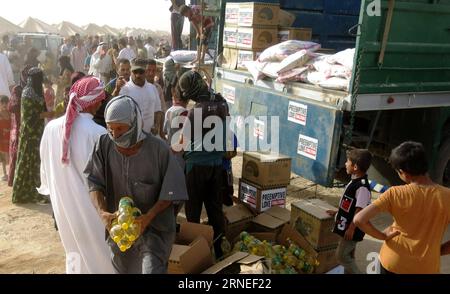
(204, 185)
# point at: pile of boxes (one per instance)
(264, 181)
(262, 213)
(251, 27)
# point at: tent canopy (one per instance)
(34, 25)
(93, 29)
(111, 31)
(8, 27)
(69, 29)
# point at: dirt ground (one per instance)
(29, 242)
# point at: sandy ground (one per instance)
(30, 244)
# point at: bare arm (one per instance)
(159, 121)
(146, 219)
(351, 227)
(98, 199)
(362, 221)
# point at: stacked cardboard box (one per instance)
(250, 27)
(264, 180)
(288, 33)
(311, 220)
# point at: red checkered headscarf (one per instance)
(83, 94)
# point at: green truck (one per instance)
(400, 87)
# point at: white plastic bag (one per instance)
(291, 75)
(298, 59)
(186, 56)
(279, 52)
(316, 77)
(344, 58)
(269, 69)
(335, 84)
(253, 70)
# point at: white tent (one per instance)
(69, 29)
(136, 32)
(93, 29)
(111, 31)
(8, 27)
(34, 25)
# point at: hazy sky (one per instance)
(147, 14)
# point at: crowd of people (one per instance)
(118, 126)
(101, 128)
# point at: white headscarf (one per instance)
(123, 109)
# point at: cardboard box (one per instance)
(259, 199)
(254, 13)
(266, 170)
(302, 34)
(231, 13)
(286, 19)
(230, 36)
(256, 37)
(272, 220)
(191, 253)
(237, 219)
(246, 55)
(326, 257)
(309, 218)
(229, 58)
(237, 263)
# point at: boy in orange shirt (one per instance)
(421, 212)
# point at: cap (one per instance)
(137, 64)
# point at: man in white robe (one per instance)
(80, 228)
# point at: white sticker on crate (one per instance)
(229, 93)
(297, 113)
(245, 16)
(231, 14)
(274, 197)
(248, 194)
(259, 127)
(230, 36)
(245, 38)
(307, 146)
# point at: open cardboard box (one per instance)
(191, 252)
(327, 259)
(237, 219)
(271, 220)
(235, 263)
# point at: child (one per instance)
(421, 213)
(203, 29)
(356, 197)
(5, 126)
(176, 111)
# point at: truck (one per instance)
(399, 89)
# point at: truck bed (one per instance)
(295, 90)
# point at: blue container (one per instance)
(330, 30)
(347, 7)
(318, 143)
(303, 4)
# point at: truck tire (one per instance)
(442, 166)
